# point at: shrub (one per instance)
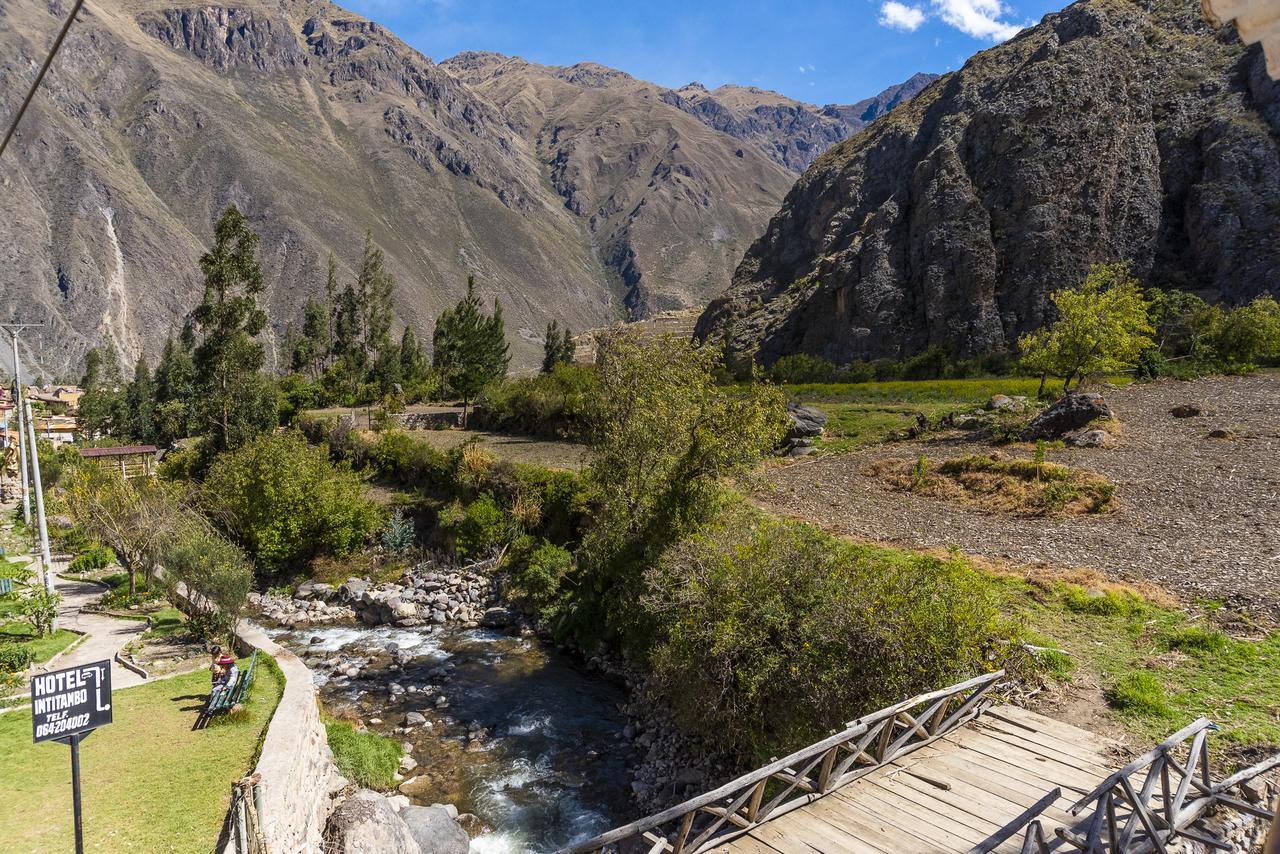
(214, 567)
(539, 580)
(40, 607)
(751, 612)
(802, 368)
(365, 758)
(15, 658)
(96, 556)
(399, 535)
(286, 502)
(550, 404)
(476, 529)
(1139, 693)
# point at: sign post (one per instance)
(67, 705)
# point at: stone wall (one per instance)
(296, 770)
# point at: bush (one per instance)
(286, 502)
(1196, 640)
(1139, 693)
(539, 579)
(477, 529)
(15, 658)
(1103, 603)
(399, 535)
(40, 607)
(214, 567)
(365, 758)
(549, 404)
(802, 368)
(96, 556)
(752, 612)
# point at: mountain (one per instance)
(790, 132)
(1112, 131)
(578, 194)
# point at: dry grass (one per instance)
(1002, 484)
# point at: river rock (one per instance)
(352, 588)
(435, 831)
(471, 823)
(367, 823)
(415, 719)
(496, 618)
(1070, 413)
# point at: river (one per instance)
(526, 739)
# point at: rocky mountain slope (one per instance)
(791, 132)
(575, 194)
(1113, 130)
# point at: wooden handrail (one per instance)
(807, 774)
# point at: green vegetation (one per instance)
(1159, 666)
(557, 347)
(469, 348)
(286, 502)
(178, 780)
(95, 557)
(1195, 338)
(550, 404)
(213, 566)
(1102, 327)
(756, 612)
(41, 647)
(365, 758)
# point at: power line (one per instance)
(48, 60)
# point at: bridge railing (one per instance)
(1152, 800)
(808, 774)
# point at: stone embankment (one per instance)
(424, 596)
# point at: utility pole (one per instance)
(45, 557)
(27, 447)
(15, 330)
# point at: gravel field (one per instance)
(1196, 515)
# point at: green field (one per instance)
(45, 648)
(149, 783)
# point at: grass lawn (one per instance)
(148, 782)
(45, 648)
(1160, 667)
(165, 622)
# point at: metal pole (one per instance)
(44, 529)
(75, 792)
(22, 438)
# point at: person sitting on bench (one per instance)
(222, 668)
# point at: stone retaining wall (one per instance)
(296, 770)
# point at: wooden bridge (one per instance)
(947, 772)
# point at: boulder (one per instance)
(313, 590)
(415, 719)
(1185, 410)
(1070, 413)
(1088, 439)
(471, 823)
(495, 618)
(805, 421)
(435, 831)
(352, 589)
(367, 823)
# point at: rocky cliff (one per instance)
(580, 197)
(1113, 130)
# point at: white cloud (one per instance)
(900, 16)
(805, 69)
(977, 18)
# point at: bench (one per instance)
(6, 586)
(229, 693)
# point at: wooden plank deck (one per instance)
(950, 795)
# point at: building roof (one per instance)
(120, 451)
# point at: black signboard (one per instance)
(68, 702)
(67, 705)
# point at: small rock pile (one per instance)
(298, 610)
(424, 596)
(807, 424)
(667, 765)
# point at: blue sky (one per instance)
(822, 52)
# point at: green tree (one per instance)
(285, 502)
(1245, 334)
(311, 345)
(211, 566)
(1102, 326)
(139, 399)
(175, 380)
(663, 438)
(234, 401)
(557, 347)
(101, 405)
(469, 348)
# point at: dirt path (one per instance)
(1198, 516)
